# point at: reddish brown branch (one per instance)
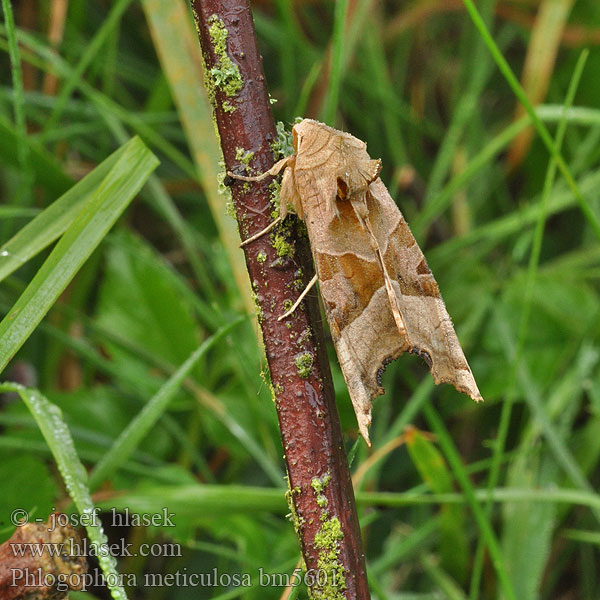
(41, 561)
(321, 489)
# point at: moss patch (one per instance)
(281, 245)
(327, 542)
(304, 364)
(227, 106)
(261, 258)
(225, 75)
(282, 144)
(244, 156)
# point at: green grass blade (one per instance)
(174, 39)
(549, 495)
(538, 124)
(139, 427)
(433, 469)
(22, 150)
(200, 500)
(483, 522)
(337, 61)
(46, 59)
(503, 427)
(50, 224)
(465, 108)
(91, 225)
(46, 170)
(91, 50)
(58, 437)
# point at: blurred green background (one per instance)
(511, 235)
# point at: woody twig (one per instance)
(279, 264)
(41, 561)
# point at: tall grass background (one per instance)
(487, 119)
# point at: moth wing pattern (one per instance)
(429, 326)
(364, 252)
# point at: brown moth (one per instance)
(379, 295)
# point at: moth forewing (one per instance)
(379, 295)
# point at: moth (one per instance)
(379, 295)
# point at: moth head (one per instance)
(299, 130)
(307, 128)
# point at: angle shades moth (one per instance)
(379, 295)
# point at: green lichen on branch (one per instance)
(282, 144)
(296, 519)
(280, 239)
(327, 543)
(244, 156)
(275, 198)
(304, 364)
(282, 234)
(259, 313)
(225, 75)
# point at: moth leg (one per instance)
(286, 186)
(261, 233)
(274, 170)
(300, 298)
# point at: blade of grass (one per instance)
(534, 401)
(193, 498)
(551, 495)
(15, 212)
(45, 59)
(139, 427)
(501, 437)
(59, 440)
(24, 198)
(92, 47)
(538, 124)
(483, 522)
(50, 224)
(480, 71)
(587, 537)
(179, 53)
(432, 467)
(198, 500)
(544, 43)
(141, 389)
(337, 61)
(89, 228)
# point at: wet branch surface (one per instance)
(280, 265)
